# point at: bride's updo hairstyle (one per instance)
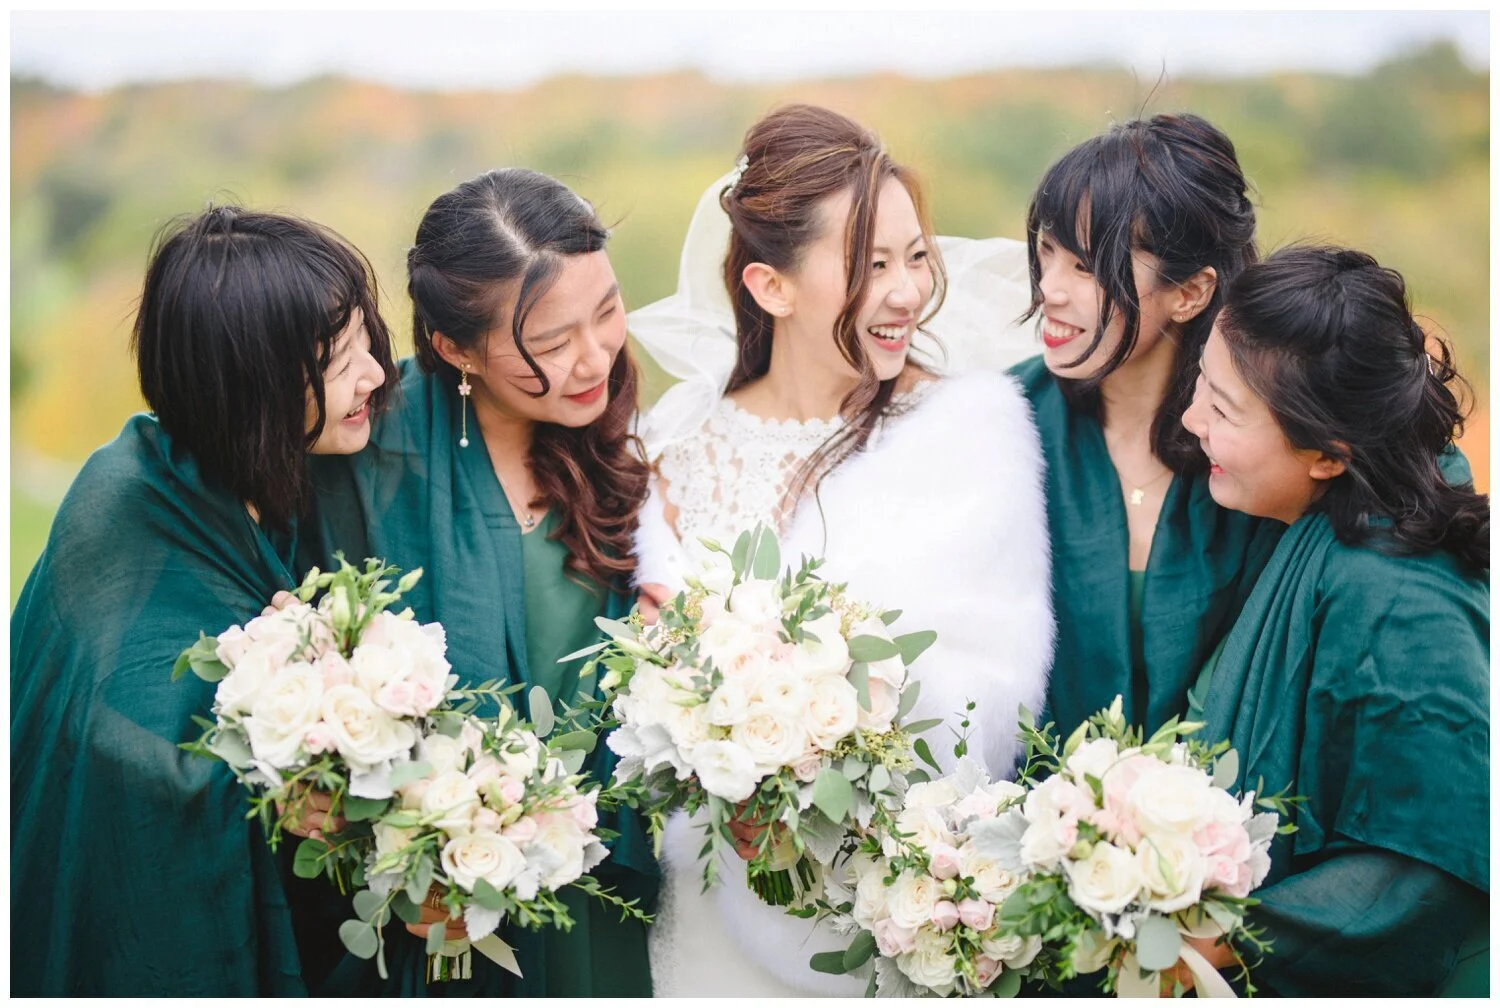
(500, 238)
(794, 159)
(1170, 186)
(1325, 337)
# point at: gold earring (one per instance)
(464, 390)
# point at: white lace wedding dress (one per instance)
(940, 516)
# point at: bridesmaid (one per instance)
(1357, 674)
(509, 473)
(1132, 236)
(134, 870)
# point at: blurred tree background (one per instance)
(1395, 162)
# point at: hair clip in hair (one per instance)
(739, 170)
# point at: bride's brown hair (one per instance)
(796, 158)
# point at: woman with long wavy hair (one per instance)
(508, 471)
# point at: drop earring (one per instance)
(464, 391)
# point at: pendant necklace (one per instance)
(1137, 495)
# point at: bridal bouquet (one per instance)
(767, 697)
(922, 896)
(1131, 846)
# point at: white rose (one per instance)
(1226, 809)
(992, 882)
(1172, 869)
(757, 602)
(1171, 799)
(365, 734)
(716, 573)
(231, 646)
(285, 707)
(984, 801)
(884, 702)
(910, 900)
(1106, 881)
(724, 769)
(931, 794)
(869, 893)
(771, 736)
(236, 692)
(444, 753)
(927, 828)
(687, 725)
(930, 964)
(487, 856)
(455, 798)
(1093, 758)
(279, 634)
(828, 655)
(520, 754)
(734, 646)
(728, 703)
(391, 839)
(1013, 950)
(376, 666)
(778, 686)
(832, 710)
(560, 836)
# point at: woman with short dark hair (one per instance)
(134, 870)
(1357, 675)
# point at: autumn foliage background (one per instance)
(1395, 162)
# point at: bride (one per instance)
(812, 401)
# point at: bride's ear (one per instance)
(450, 352)
(770, 289)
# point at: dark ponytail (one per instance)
(1325, 336)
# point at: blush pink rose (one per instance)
(977, 913)
(945, 915)
(892, 939)
(943, 861)
(986, 970)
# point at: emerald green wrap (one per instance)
(1360, 680)
(1203, 562)
(133, 868)
(416, 499)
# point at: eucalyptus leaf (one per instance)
(908, 700)
(854, 768)
(436, 935)
(1007, 985)
(403, 774)
(487, 896)
(920, 747)
(421, 879)
(859, 678)
(740, 556)
(880, 778)
(828, 962)
(1157, 943)
(581, 740)
(359, 938)
(890, 616)
(540, 704)
(308, 861)
(364, 809)
(615, 628)
(833, 795)
(1227, 769)
(366, 903)
(868, 648)
(583, 652)
(913, 644)
(572, 759)
(407, 911)
(918, 727)
(767, 562)
(859, 951)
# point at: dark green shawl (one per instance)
(133, 868)
(1361, 680)
(1203, 562)
(417, 499)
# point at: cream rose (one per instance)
(1013, 950)
(391, 839)
(488, 856)
(236, 692)
(727, 705)
(832, 710)
(927, 826)
(1104, 882)
(884, 702)
(1092, 759)
(1172, 869)
(993, 882)
(365, 734)
(773, 737)
(911, 899)
(828, 655)
(444, 753)
(1171, 799)
(725, 769)
(455, 799)
(285, 707)
(930, 964)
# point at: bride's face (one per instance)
(900, 284)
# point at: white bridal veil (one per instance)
(690, 334)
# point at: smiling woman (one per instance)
(134, 867)
(522, 513)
